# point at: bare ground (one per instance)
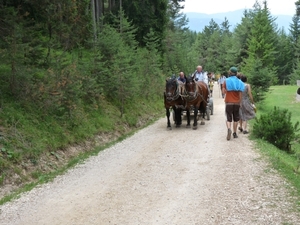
(157, 176)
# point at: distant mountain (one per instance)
(197, 21)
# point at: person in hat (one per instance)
(232, 90)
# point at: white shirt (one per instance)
(222, 79)
(202, 76)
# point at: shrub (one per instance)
(276, 127)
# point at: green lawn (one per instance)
(282, 97)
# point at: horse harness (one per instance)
(196, 94)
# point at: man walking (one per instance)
(232, 88)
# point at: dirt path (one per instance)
(182, 176)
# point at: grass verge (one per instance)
(288, 165)
(53, 158)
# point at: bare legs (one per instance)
(235, 125)
(245, 125)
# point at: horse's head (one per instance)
(171, 88)
(190, 86)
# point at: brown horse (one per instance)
(174, 100)
(197, 98)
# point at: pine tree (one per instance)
(284, 60)
(118, 47)
(294, 42)
(241, 36)
(145, 15)
(261, 50)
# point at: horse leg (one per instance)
(188, 118)
(178, 117)
(203, 110)
(179, 110)
(195, 125)
(202, 119)
(168, 118)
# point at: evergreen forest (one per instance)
(69, 68)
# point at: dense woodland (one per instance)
(62, 60)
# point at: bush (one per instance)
(276, 127)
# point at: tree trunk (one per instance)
(13, 65)
(111, 4)
(93, 9)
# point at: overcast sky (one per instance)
(277, 7)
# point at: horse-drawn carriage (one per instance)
(191, 96)
(209, 111)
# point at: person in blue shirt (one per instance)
(181, 77)
(181, 81)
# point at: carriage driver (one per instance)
(200, 75)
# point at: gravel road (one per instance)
(158, 176)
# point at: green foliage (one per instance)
(7, 153)
(146, 15)
(120, 82)
(285, 63)
(259, 65)
(260, 78)
(276, 127)
(295, 75)
(261, 43)
(177, 45)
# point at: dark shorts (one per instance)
(232, 112)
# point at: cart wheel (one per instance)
(208, 113)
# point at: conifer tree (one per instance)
(261, 50)
(295, 46)
(118, 47)
(285, 60)
(241, 36)
(145, 15)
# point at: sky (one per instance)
(276, 7)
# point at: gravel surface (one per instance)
(159, 176)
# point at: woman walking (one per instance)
(247, 111)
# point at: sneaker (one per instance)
(241, 129)
(245, 132)
(235, 135)
(228, 134)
